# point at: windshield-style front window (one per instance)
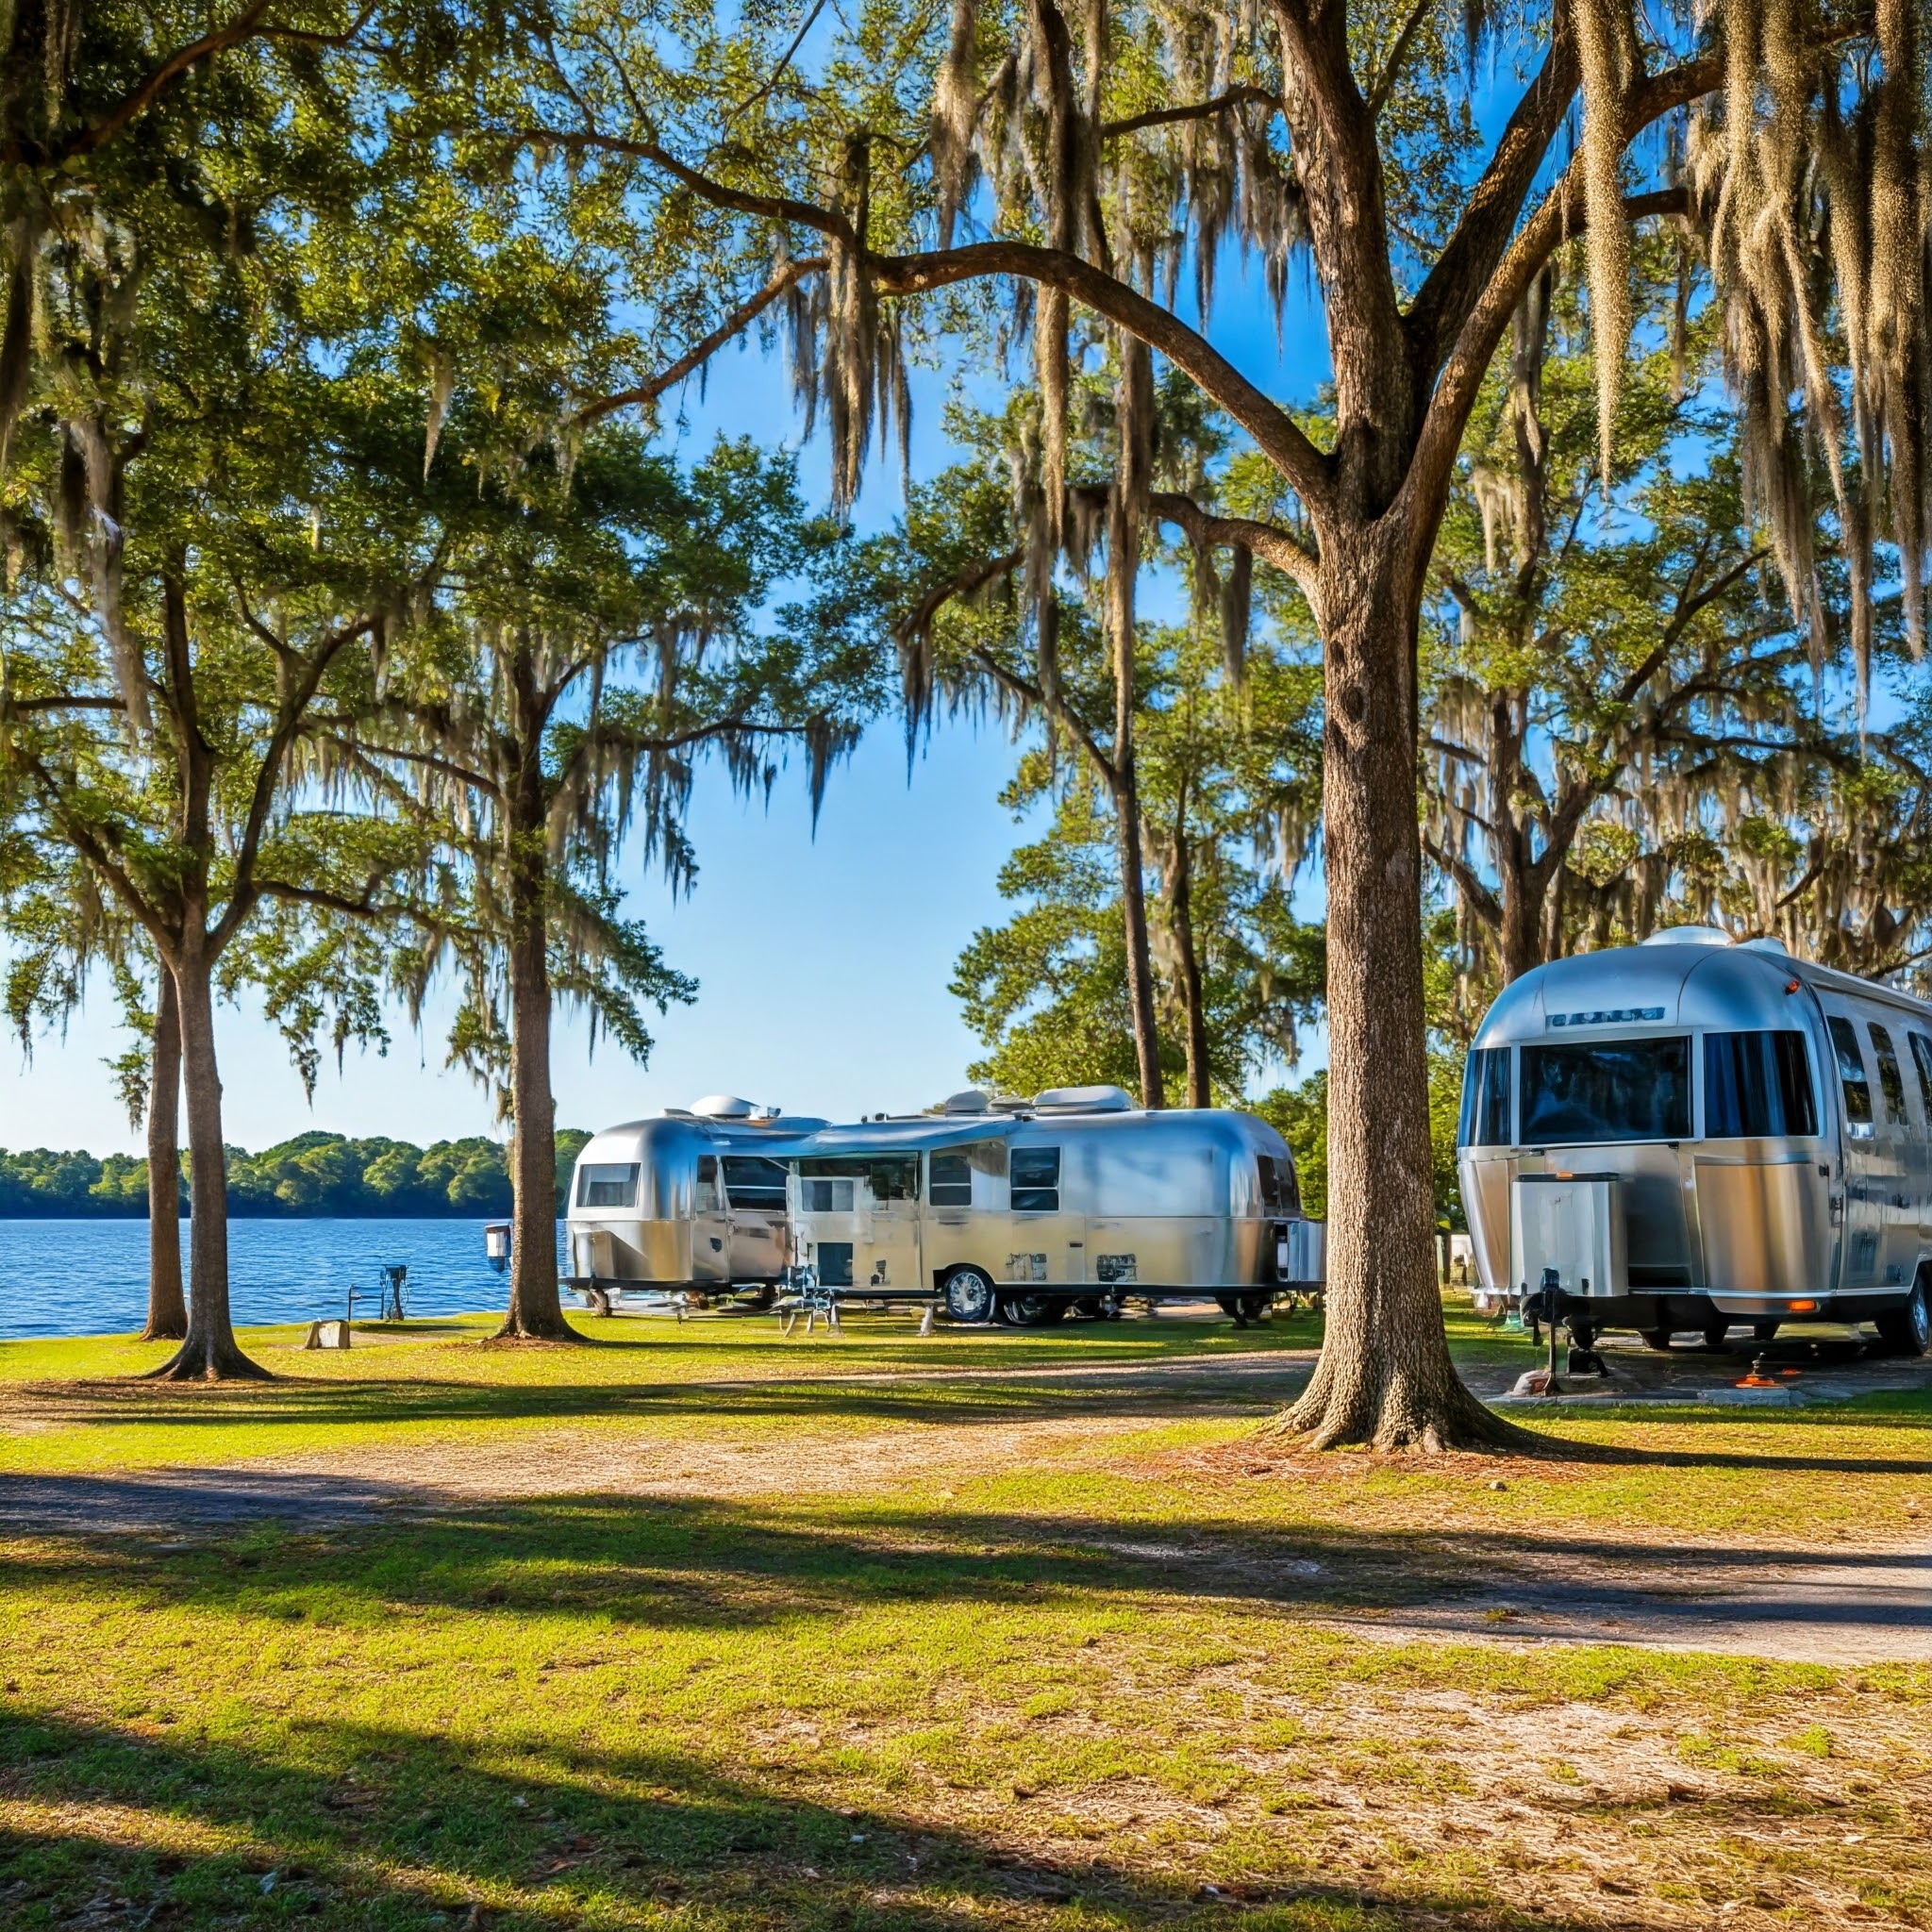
(1757, 1083)
(1485, 1099)
(1607, 1089)
(607, 1185)
(1851, 1073)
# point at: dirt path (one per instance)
(1841, 1606)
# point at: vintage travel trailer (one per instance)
(1077, 1199)
(1080, 1199)
(694, 1200)
(1695, 1132)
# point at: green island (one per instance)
(314, 1174)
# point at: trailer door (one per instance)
(1862, 1189)
(1048, 1245)
(860, 1214)
(710, 1231)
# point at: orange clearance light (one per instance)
(1791, 986)
(1804, 1307)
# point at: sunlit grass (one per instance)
(717, 1631)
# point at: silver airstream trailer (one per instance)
(1078, 1199)
(1694, 1132)
(694, 1200)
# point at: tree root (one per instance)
(1401, 1420)
(195, 1362)
(514, 1330)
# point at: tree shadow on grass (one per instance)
(343, 1825)
(291, 1403)
(675, 1564)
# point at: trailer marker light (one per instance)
(1804, 1307)
(1791, 985)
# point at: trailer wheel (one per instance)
(1908, 1328)
(1658, 1339)
(969, 1295)
(1243, 1309)
(1033, 1310)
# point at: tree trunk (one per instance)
(210, 1352)
(167, 1309)
(536, 1309)
(1385, 1376)
(1125, 508)
(1180, 903)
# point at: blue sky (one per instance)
(823, 959)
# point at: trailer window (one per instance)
(826, 1197)
(949, 1181)
(1036, 1180)
(609, 1185)
(1851, 1073)
(1922, 1059)
(1607, 1089)
(1485, 1099)
(751, 1181)
(707, 1201)
(1892, 1082)
(1279, 1195)
(1757, 1083)
(891, 1176)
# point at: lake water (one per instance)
(89, 1277)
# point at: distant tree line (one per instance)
(314, 1175)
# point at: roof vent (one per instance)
(974, 1100)
(1084, 1099)
(1690, 936)
(1770, 942)
(728, 1107)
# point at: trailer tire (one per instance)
(968, 1296)
(1658, 1339)
(1033, 1310)
(1243, 1309)
(1908, 1329)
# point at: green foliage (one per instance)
(315, 1174)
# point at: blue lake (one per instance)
(89, 1277)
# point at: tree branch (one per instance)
(1481, 900)
(1463, 269)
(1275, 432)
(1240, 96)
(1269, 541)
(268, 778)
(1385, 81)
(694, 358)
(1558, 218)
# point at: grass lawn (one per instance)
(705, 1630)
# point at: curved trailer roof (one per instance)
(1687, 976)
